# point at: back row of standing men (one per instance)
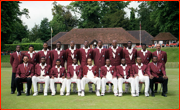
(99, 55)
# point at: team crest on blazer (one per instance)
(89, 54)
(62, 56)
(94, 71)
(103, 55)
(148, 58)
(112, 71)
(29, 71)
(49, 56)
(47, 71)
(159, 69)
(76, 55)
(118, 53)
(78, 70)
(35, 59)
(162, 58)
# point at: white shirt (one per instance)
(45, 52)
(25, 64)
(130, 53)
(58, 51)
(124, 68)
(58, 70)
(158, 52)
(140, 70)
(42, 69)
(144, 52)
(114, 51)
(74, 66)
(18, 53)
(86, 50)
(72, 52)
(90, 74)
(108, 75)
(99, 48)
(31, 54)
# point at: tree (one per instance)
(34, 33)
(134, 22)
(45, 30)
(166, 16)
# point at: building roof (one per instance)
(57, 36)
(90, 34)
(164, 36)
(145, 36)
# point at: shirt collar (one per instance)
(57, 67)
(46, 50)
(72, 49)
(123, 66)
(58, 50)
(18, 52)
(99, 48)
(25, 64)
(90, 66)
(144, 51)
(44, 64)
(138, 65)
(74, 65)
(113, 48)
(109, 66)
(85, 48)
(129, 49)
(30, 53)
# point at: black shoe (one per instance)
(27, 94)
(18, 94)
(155, 91)
(12, 92)
(164, 95)
(152, 95)
(22, 91)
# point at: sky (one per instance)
(42, 9)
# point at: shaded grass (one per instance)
(90, 101)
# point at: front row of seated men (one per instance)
(149, 74)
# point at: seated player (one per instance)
(42, 71)
(58, 74)
(90, 74)
(140, 74)
(74, 73)
(124, 74)
(23, 74)
(108, 74)
(157, 73)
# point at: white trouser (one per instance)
(38, 79)
(142, 79)
(96, 81)
(68, 84)
(105, 80)
(63, 81)
(130, 80)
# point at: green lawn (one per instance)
(90, 101)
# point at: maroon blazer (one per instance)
(94, 70)
(54, 72)
(100, 58)
(14, 60)
(24, 74)
(163, 57)
(119, 70)
(69, 58)
(104, 71)
(82, 56)
(38, 70)
(126, 56)
(119, 54)
(70, 71)
(135, 69)
(54, 57)
(156, 71)
(145, 59)
(48, 57)
(32, 60)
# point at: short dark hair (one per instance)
(143, 44)
(129, 41)
(45, 43)
(25, 56)
(100, 41)
(123, 59)
(138, 57)
(58, 60)
(90, 58)
(58, 42)
(31, 46)
(154, 56)
(43, 57)
(108, 59)
(86, 41)
(75, 58)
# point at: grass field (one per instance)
(90, 101)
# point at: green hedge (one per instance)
(24, 46)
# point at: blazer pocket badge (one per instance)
(112, 71)
(49, 56)
(89, 54)
(62, 56)
(103, 55)
(162, 58)
(159, 69)
(148, 58)
(94, 71)
(118, 53)
(29, 71)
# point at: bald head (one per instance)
(72, 44)
(114, 43)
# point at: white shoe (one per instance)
(97, 93)
(146, 94)
(53, 94)
(120, 94)
(137, 94)
(79, 94)
(134, 95)
(102, 94)
(115, 94)
(35, 94)
(61, 93)
(82, 93)
(67, 94)
(45, 94)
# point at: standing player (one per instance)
(15, 60)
